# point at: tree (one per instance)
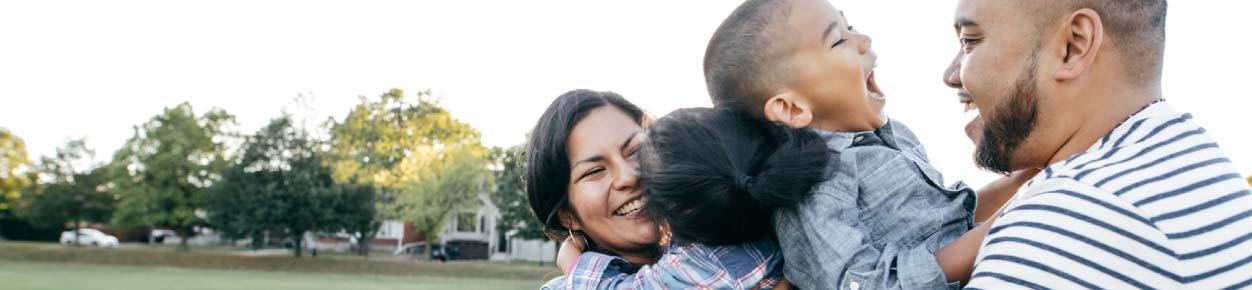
(398, 148)
(356, 210)
(73, 194)
(13, 161)
(451, 183)
(165, 169)
(279, 183)
(510, 195)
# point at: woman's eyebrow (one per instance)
(628, 139)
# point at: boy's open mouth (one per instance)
(872, 86)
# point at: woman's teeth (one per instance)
(629, 207)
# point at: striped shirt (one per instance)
(1153, 205)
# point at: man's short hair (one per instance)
(745, 62)
(1137, 27)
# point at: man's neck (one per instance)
(1101, 122)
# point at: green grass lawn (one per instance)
(42, 275)
(25, 265)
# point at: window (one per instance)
(467, 222)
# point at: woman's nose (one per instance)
(625, 178)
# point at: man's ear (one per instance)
(1083, 34)
(788, 108)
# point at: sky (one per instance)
(95, 69)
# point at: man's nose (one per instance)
(952, 76)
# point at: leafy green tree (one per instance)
(450, 184)
(163, 173)
(278, 184)
(509, 195)
(13, 160)
(356, 212)
(400, 148)
(72, 194)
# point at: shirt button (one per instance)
(858, 139)
(854, 286)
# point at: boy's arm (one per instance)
(957, 258)
(568, 255)
(994, 195)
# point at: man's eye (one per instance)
(965, 41)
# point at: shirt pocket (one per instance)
(897, 201)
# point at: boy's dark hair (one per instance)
(547, 161)
(717, 175)
(746, 60)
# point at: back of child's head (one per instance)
(747, 58)
(717, 175)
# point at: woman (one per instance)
(582, 181)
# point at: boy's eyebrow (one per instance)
(829, 28)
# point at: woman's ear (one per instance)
(570, 221)
(788, 108)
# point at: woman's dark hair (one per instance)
(547, 161)
(717, 175)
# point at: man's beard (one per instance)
(1006, 129)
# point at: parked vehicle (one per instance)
(92, 237)
(159, 235)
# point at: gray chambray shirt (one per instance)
(877, 221)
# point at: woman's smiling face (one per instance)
(604, 191)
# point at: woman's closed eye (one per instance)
(593, 172)
(633, 153)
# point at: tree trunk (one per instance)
(363, 245)
(298, 239)
(76, 233)
(429, 245)
(185, 234)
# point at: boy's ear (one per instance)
(788, 108)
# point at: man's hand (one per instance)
(571, 248)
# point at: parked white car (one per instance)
(91, 237)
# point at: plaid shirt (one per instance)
(685, 266)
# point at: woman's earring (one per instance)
(580, 234)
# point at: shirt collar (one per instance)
(839, 141)
(1154, 110)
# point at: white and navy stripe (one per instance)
(1154, 205)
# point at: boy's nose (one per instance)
(865, 43)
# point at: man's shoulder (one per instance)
(1067, 234)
